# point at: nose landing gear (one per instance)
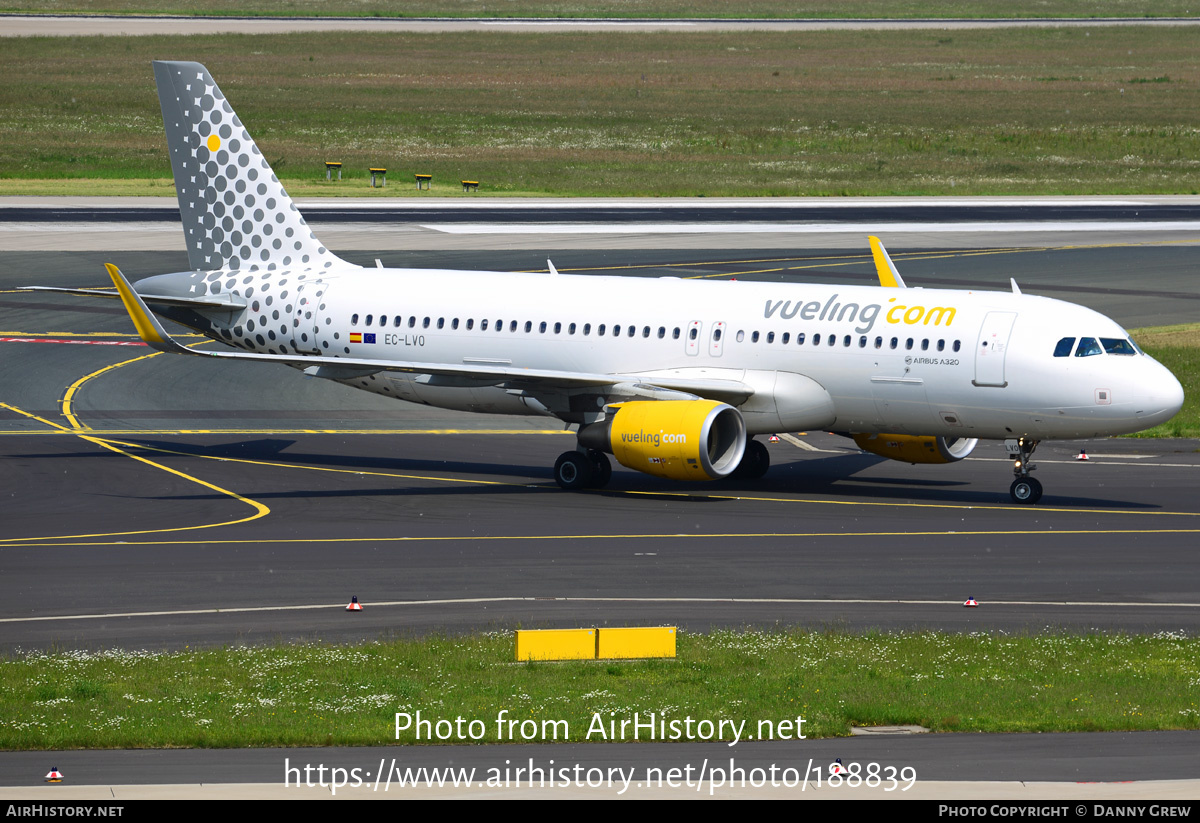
(1024, 489)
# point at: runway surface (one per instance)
(269, 499)
(159, 502)
(133, 25)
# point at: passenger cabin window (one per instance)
(396, 321)
(1063, 349)
(1088, 347)
(957, 345)
(354, 320)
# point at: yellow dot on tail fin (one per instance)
(214, 142)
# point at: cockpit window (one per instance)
(1117, 345)
(1087, 347)
(1063, 349)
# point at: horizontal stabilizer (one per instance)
(226, 300)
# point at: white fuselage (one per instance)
(916, 361)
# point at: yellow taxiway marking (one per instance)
(464, 601)
(358, 472)
(259, 509)
(73, 389)
(69, 397)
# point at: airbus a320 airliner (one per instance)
(672, 377)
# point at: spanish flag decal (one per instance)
(355, 337)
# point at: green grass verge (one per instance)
(1177, 348)
(349, 695)
(614, 8)
(1038, 111)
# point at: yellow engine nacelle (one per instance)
(680, 439)
(912, 449)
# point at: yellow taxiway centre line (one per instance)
(956, 506)
(358, 472)
(69, 397)
(268, 541)
(73, 389)
(259, 508)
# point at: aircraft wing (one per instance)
(448, 374)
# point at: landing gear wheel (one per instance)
(573, 471)
(601, 468)
(755, 461)
(1025, 490)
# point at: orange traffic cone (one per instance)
(354, 606)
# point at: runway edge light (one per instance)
(1082, 455)
(354, 606)
(55, 776)
(971, 603)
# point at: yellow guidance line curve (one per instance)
(68, 399)
(259, 509)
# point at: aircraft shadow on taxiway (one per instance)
(826, 475)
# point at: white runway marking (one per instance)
(732, 600)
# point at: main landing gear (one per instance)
(1024, 489)
(755, 461)
(590, 469)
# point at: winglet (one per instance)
(888, 276)
(147, 325)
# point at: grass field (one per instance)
(1045, 111)
(349, 695)
(617, 8)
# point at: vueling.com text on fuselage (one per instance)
(896, 312)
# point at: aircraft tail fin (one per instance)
(236, 214)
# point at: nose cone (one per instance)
(1163, 395)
